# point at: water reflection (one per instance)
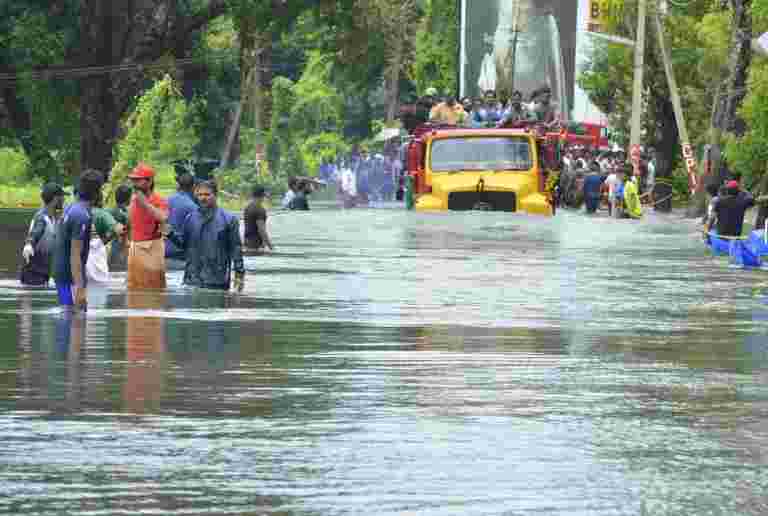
(411, 367)
(144, 349)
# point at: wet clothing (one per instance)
(146, 256)
(42, 237)
(146, 265)
(287, 198)
(64, 293)
(211, 242)
(75, 225)
(592, 185)
(299, 202)
(118, 250)
(730, 210)
(103, 223)
(632, 205)
(97, 268)
(143, 224)
(251, 216)
(180, 205)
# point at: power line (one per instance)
(88, 71)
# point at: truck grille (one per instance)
(490, 201)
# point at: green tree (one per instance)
(162, 129)
(437, 39)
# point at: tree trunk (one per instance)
(232, 134)
(666, 149)
(99, 120)
(262, 46)
(124, 33)
(392, 83)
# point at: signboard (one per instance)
(523, 45)
(594, 16)
(690, 165)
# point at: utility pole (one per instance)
(515, 35)
(637, 91)
(688, 156)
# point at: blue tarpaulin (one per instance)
(742, 252)
(717, 244)
(757, 243)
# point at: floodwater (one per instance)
(386, 362)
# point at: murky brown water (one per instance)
(386, 362)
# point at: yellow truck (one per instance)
(454, 168)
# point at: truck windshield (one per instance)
(480, 153)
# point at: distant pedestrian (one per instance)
(73, 237)
(210, 238)
(592, 185)
(255, 220)
(148, 215)
(291, 193)
(299, 201)
(618, 195)
(611, 183)
(632, 206)
(41, 238)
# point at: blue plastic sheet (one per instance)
(719, 246)
(742, 252)
(742, 255)
(757, 243)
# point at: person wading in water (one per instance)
(180, 205)
(255, 219)
(210, 239)
(38, 248)
(73, 238)
(729, 210)
(148, 213)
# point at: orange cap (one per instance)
(142, 171)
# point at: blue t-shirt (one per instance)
(592, 184)
(618, 192)
(75, 225)
(180, 205)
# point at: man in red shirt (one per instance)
(148, 213)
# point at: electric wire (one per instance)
(88, 71)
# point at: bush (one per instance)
(15, 166)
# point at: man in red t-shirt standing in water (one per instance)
(148, 213)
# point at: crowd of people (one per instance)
(362, 178)
(485, 111)
(80, 243)
(604, 178)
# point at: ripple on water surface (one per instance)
(388, 362)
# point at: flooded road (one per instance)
(386, 362)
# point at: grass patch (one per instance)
(27, 196)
